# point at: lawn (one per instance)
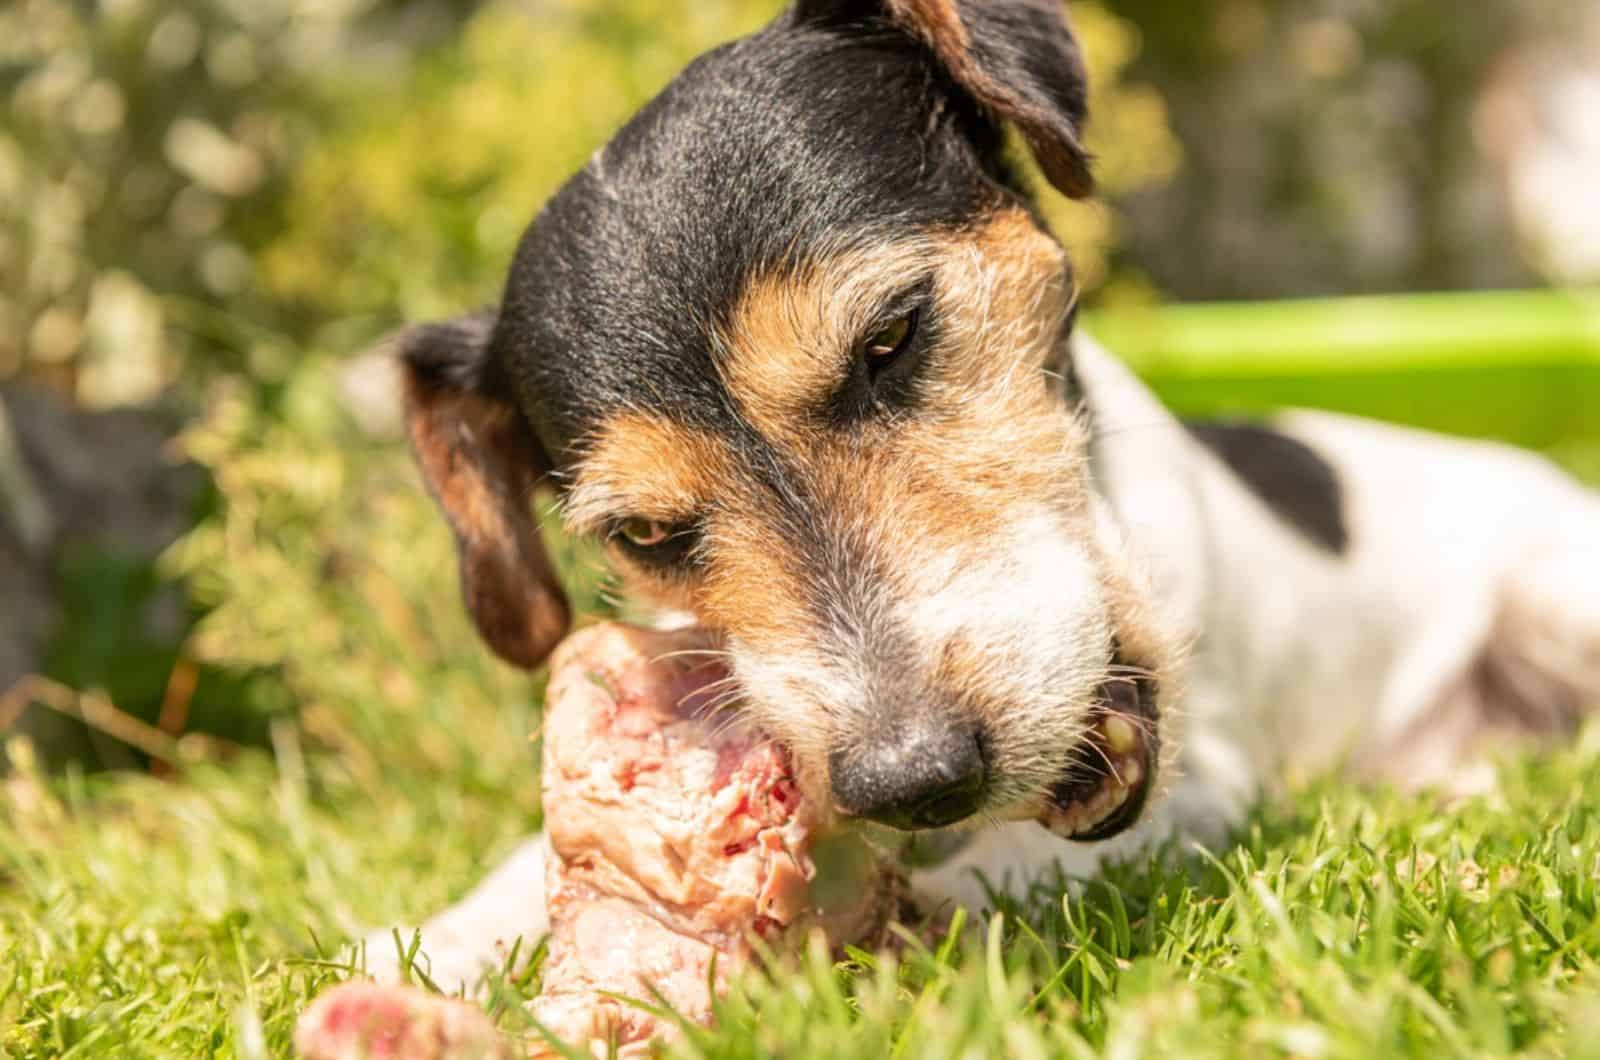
(350, 756)
(384, 762)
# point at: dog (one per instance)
(797, 346)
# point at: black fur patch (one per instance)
(792, 144)
(1288, 475)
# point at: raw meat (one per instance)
(374, 1021)
(679, 843)
(680, 838)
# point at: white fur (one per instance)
(1032, 601)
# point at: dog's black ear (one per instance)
(1017, 58)
(482, 461)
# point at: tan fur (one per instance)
(790, 335)
(481, 466)
(938, 24)
(988, 430)
(640, 464)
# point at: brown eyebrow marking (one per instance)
(784, 346)
(640, 464)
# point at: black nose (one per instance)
(923, 777)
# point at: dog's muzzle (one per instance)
(1111, 771)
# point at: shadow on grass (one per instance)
(91, 609)
(121, 633)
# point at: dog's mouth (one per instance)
(1111, 771)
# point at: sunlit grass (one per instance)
(196, 915)
(188, 918)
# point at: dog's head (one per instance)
(794, 344)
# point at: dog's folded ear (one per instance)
(1017, 59)
(481, 462)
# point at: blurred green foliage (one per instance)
(412, 204)
(1334, 147)
(416, 197)
(194, 188)
(201, 187)
(325, 566)
(144, 149)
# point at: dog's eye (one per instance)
(643, 533)
(666, 546)
(883, 370)
(889, 341)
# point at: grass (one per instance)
(151, 918)
(195, 914)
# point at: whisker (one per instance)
(1111, 767)
(717, 691)
(725, 681)
(713, 653)
(725, 696)
(1132, 668)
(730, 719)
(1134, 679)
(719, 699)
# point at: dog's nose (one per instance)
(926, 777)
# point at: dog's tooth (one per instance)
(1114, 791)
(1105, 802)
(1132, 771)
(1120, 735)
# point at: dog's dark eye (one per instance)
(652, 541)
(643, 533)
(888, 342)
(884, 362)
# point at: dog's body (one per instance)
(795, 344)
(1463, 603)
(1450, 596)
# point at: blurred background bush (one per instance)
(207, 205)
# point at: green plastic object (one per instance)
(1523, 366)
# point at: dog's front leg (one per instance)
(476, 934)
